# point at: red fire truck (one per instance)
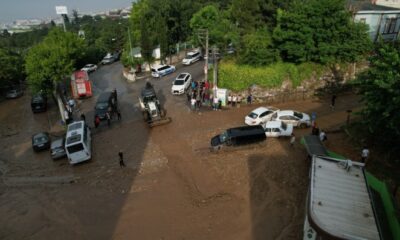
(81, 85)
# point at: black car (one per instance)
(239, 136)
(41, 141)
(39, 103)
(103, 104)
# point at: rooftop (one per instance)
(339, 202)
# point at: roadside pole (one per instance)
(215, 72)
(206, 61)
(130, 48)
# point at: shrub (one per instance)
(240, 77)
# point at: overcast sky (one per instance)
(11, 10)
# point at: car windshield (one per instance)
(223, 137)
(101, 105)
(274, 116)
(88, 66)
(253, 115)
(178, 82)
(297, 114)
(283, 126)
(40, 139)
(12, 91)
(163, 68)
(189, 56)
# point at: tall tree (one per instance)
(53, 59)
(11, 70)
(246, 14)
(320, 31)
(380, 90)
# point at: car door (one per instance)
(265, 116)
(187, 82)
(268, 132)
(294, 120)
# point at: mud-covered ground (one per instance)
(172, 187)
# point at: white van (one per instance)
(191, 57)
(78, 142)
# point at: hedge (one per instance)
(240, 77)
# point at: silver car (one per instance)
(57, 149)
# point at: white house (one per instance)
(383, 21)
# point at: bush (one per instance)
(240, 77)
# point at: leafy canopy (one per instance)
(53, 59)
(321, 31)
(380, 90)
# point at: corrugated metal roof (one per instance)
(339, 200)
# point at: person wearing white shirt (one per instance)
(322, 136)
(364, 154)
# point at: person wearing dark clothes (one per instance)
(83, 117)
(249, 99)
(333, 101)
(119, 114)
(96, 121)
(121, 159)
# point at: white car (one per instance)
(191, 57)
(259, 115)
(277, 129)
(181, 83)
(89, 68)
(162, 70)
(298, 119)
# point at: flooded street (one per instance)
(172, 187)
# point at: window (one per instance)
(390, 26)
(75, 148)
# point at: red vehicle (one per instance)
(81, 85)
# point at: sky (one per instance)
(11, 10)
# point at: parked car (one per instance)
(181, 83)
(103, 104)
(89, 68)
(57, 149)
(277, 129)
(191, 57)
(162, 70)
(238, 136)
(297, 119)
(260, 115)
(14, 93)
(110, 58)
(39, 103)
(40, 141)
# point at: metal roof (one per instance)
(339, 202)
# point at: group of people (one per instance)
(198, 94)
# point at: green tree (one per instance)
(380, 90)
(257, 49)
(53, 59)
(320, 31)
(246, 14)
(221, 30)
(11, 70)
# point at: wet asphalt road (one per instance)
(108, 77)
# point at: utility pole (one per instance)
(215, 72)
(204, 33)
(206, 62)
(130, 48)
